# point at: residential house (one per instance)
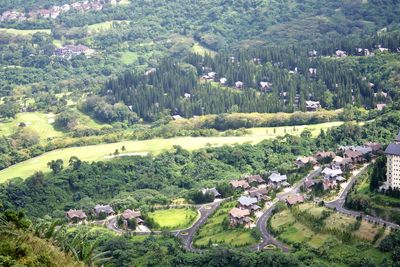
(103, 209)
(277, 180)
(322, 155)
(340, 53)
(223, 81)
(260, 193)
(132, 214)
(265, 86)
(239, 85)
(313, 105)
(213, 191)
(239, 217)
(293, 200)
(365, 150)
(312, 72)
(380, 107)
(177, 117)
(355, 156)
(308, 184)
(376, 147)
(313, 53)
(150, 71)
(303, 161)
(75, 215)
(255, 179)
(248, 203)
(243, 184)
(340, 163)
(331, 174)
(329, 184)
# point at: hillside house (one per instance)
(312, 72)
(261, 194)
(303, 161)
(213, 191)
(380, 107)
(104, 209)
(239, 217)
(293, 200)
(248, 203)
(255, 180)
(265, 86)
(130, 215)
(376, 147)
(355, 156)
(75, 215)
(239, 85)
(324, 155)
(223, 81)
(308, 184)
(331, 174)
(243, 184)
(340, 163)
(71, 50)
(340, 53)
(313, 105)
(277, 180)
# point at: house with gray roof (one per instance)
(277, 180)
(104, 209)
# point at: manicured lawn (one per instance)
(213, 231)
(155, 146)
(174, 218)
(41, 123)
(129, 57)
(282, 219)
(24, 32)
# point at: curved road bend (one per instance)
(338, 204)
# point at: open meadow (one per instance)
(24, 32)
(174, 219)
(153, 146)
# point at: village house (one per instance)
(381, 94)
(376, 147)
(261, 194)
(323, 155)
(239, 217)
(329, 184)
(243, 184)
(213, 191)
(313, 105)
(71, 50)
(380, 107)
(103, 209)
(331, 174)
(239, 85)
(293, 200)
(223, 81)
(308, 184)
(209, 76)
(150, 71)
(313, 53)
(130, 215)
(277, 180)
(248, 203)
(364, 150)
(265, 86)
(255, 180)
(75, 215)
(340, 163)
(355, 156)
(177, 117)
(340, 53)
(303, 161)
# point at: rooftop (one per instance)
(238, 213)
(277, 177)
(247, 201)
(393, 149)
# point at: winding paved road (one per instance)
(338, 204)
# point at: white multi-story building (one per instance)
(393, 164)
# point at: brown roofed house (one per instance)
(132, 214)
(324, 154)
(255, 179)
(303, 161)
(259, 193)
(240, 184)
(239, 216)
(355, 156)
(75, 215)
(293, 200)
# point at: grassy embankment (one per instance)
(213, 232)
(154, 146)
(293, 232)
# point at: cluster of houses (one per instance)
(71, 50)
(350, 157)
(255, 192)
(54, 11)
(104, 210)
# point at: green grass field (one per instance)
(155, 146)
(212, 232)
(129, 57)
(39, 122)
(103, 26)
(201, 50)
(174, 219)
(24, 32)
